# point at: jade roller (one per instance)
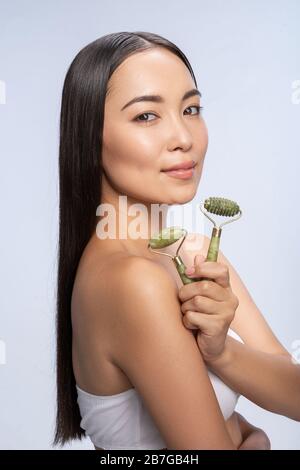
(168, 236)
(218, 206)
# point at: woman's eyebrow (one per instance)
(159, 99)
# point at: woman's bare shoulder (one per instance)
(138, 267)
(100, 277)
(149, 338)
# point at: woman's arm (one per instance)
(260, 369)
(265, 372)
(272, 381)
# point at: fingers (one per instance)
(201, 304)
(256, 440)
(219, 272)
(205, 288)
(207, 310)
(203, 322)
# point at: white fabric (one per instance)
(121, 421)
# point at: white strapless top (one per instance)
(121, 421)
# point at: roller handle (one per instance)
(212, 255)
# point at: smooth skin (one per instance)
(126, 314)
(161, 358)
(149, 333)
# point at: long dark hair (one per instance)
(80, 171)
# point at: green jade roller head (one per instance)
(223, 207)
(169, 235)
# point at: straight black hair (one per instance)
(80, 176)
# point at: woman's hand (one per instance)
(254, 438)
(209, 306)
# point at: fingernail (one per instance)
(190, 270)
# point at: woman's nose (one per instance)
(179, 134)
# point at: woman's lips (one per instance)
(181, 174)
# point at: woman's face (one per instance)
(147, 137)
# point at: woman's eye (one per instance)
(197, 107)
(152, 114)
(144, 120)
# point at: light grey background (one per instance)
(245, 55)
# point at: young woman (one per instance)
(131, 374)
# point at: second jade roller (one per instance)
(168, 236)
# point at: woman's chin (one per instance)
(183, 197)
